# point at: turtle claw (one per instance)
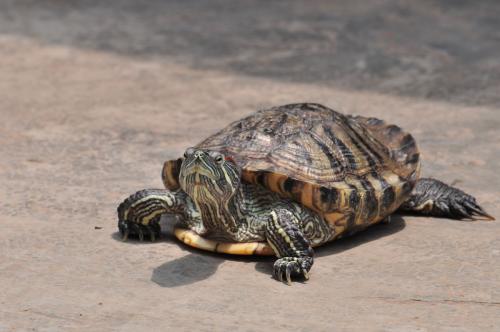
(154, 229)
(280, 276)
(128, 228)
(435, 198)
(476, 211)
(286, 267)
(463, 206)
(288, 271)
(141, 235)
(125, 235)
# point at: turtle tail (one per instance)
(434, 198)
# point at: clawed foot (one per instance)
(127, 228)
(435, 198)
(286, 267)
(462, 206)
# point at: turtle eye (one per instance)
(188, 152)
(219, 158)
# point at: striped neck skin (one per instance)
(213, 182)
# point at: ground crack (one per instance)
(440, 301)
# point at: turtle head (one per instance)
(208, 175)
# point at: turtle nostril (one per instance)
(198, 154)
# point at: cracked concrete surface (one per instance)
(94, 97)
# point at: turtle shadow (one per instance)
(196, 266)
(372, 233)
(185, 270)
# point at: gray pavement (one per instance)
(95, 96)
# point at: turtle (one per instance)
(287, 179)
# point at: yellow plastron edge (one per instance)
(194, 240)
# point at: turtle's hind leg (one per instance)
(435, 198)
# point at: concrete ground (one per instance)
(95, 96)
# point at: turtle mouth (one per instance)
(198, 168)
(198, 183)
(200, 176)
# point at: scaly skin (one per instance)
(140, 213)
(434, 198)
(215, 203)
(259, 214)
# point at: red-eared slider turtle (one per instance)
(284, 180)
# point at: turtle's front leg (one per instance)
(290, 245)
(140, 213)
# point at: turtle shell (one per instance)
(352, 170)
